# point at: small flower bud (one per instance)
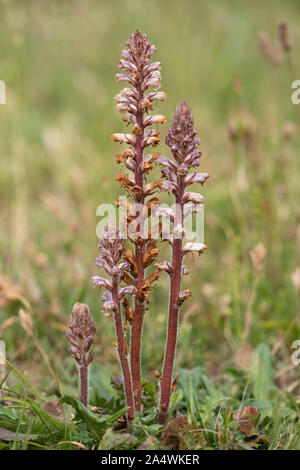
(284, 35)
(81, 333)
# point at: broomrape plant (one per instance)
(134, 104)
(81, 336)
(129, 282)
(111, 253)
(183, 143)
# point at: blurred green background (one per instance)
(58, 60)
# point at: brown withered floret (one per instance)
(128, 183)
(128, 311)
(151, 253)
(129, 257)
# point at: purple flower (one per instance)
(110, 259)
(184, 144)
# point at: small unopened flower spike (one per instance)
(81, 336)
(183, 143)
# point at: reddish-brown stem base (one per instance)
(135, 355)
(169, 359)
(122, 353)
(127, 387)
(83, 378)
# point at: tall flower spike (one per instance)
(110, 259)
(134, 103)
(81, 336)
(184, 144)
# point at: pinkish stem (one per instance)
(139, 310)
(173, 319)
(122, 352)
(83, 377)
